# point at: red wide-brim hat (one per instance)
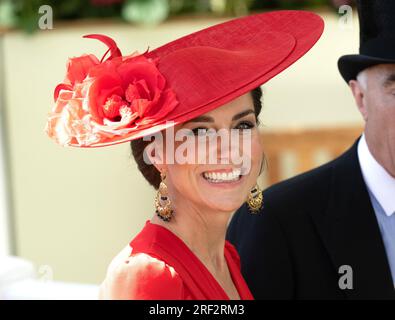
(123, 98)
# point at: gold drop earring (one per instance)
(162, 201)
(255, 199)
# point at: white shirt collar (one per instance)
(377, 179)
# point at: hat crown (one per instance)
(376, 20)
(377, 38)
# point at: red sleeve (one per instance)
(142, 277)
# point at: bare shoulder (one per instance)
(140, 276)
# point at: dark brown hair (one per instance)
(150, 173)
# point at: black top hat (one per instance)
(377, 38)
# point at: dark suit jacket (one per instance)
(310, 226)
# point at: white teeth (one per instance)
(218, 177)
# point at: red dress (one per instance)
(159, 265)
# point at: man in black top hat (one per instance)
(330, 233)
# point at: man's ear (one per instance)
(359, 96)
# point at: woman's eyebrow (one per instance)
(242, 114)
(211, 119)
(202, 119)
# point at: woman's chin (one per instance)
(222, 203)
(223, 195)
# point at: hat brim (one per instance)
(351, 65)
(300, 30)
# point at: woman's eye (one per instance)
(245, 125)
(200, 131)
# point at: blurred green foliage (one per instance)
(24, 14)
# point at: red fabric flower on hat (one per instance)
(99, 100)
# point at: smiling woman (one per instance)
(189, 85)
(198, 196)
(181, 253)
